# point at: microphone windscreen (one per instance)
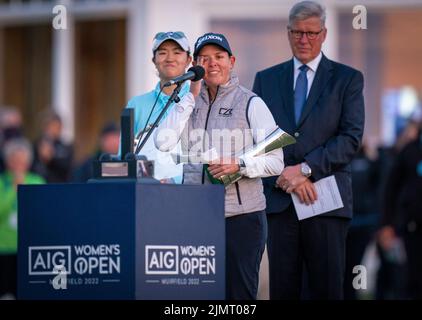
(105, 157)
(130, 156)
(198, 71)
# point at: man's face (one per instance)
(109, 142)
(217, 64)
(170, 60)
(304, 49)
(53, 129)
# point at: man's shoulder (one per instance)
(341, 68)
(276, 69)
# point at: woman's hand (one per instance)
(195, 86)
(223, 166)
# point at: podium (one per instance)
(121, 240)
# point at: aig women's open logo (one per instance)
(174, 260)
(83, 259)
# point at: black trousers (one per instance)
(246, 235)
(316, 243)
(413, 243)
(8, 274)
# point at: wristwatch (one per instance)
(305, 170)
(242, 163)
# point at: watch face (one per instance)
(306, 171)
(242, 163)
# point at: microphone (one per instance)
(194, 73)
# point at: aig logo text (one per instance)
(161, 259)
(45, 260)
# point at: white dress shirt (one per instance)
(313, 66)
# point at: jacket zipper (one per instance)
(238, 192)
(205, 130)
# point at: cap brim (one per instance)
(208, 43)
(182, 42)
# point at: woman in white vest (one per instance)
(221, 115)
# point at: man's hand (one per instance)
(223, 166)
(290, 178)
(386, 237)
(306, 192)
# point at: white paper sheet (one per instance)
(329, 199)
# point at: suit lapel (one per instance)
(321, 79)
(286, 89)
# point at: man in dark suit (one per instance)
(320, 102)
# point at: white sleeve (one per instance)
(262, 123)
(170, 129)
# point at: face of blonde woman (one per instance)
(170, 60)
(217, 64)
(18, 162)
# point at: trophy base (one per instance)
(123, 169)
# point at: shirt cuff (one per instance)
(187, 101)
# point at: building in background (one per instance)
(88, 71)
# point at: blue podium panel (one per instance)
(182, 232)
(87, 228)
(121, 241)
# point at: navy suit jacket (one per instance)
(329, 131)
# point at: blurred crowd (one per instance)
(385, 235)
(48, 159)
(386, 231)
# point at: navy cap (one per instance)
(212, 38)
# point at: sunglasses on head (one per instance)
(165, 35)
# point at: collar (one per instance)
(313, 64)
(222, 89)
(164, 98)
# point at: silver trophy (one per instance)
(276, 139)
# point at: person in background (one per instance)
(52, 157)
(320, 102)
(366, 215)
(402, 211)
(18, 158)
(171, 57)
(10, 127)
(108, 143)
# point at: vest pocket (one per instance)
(238, 192)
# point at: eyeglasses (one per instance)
(311, 35)
(172, 35)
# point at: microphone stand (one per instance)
(173, 98)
